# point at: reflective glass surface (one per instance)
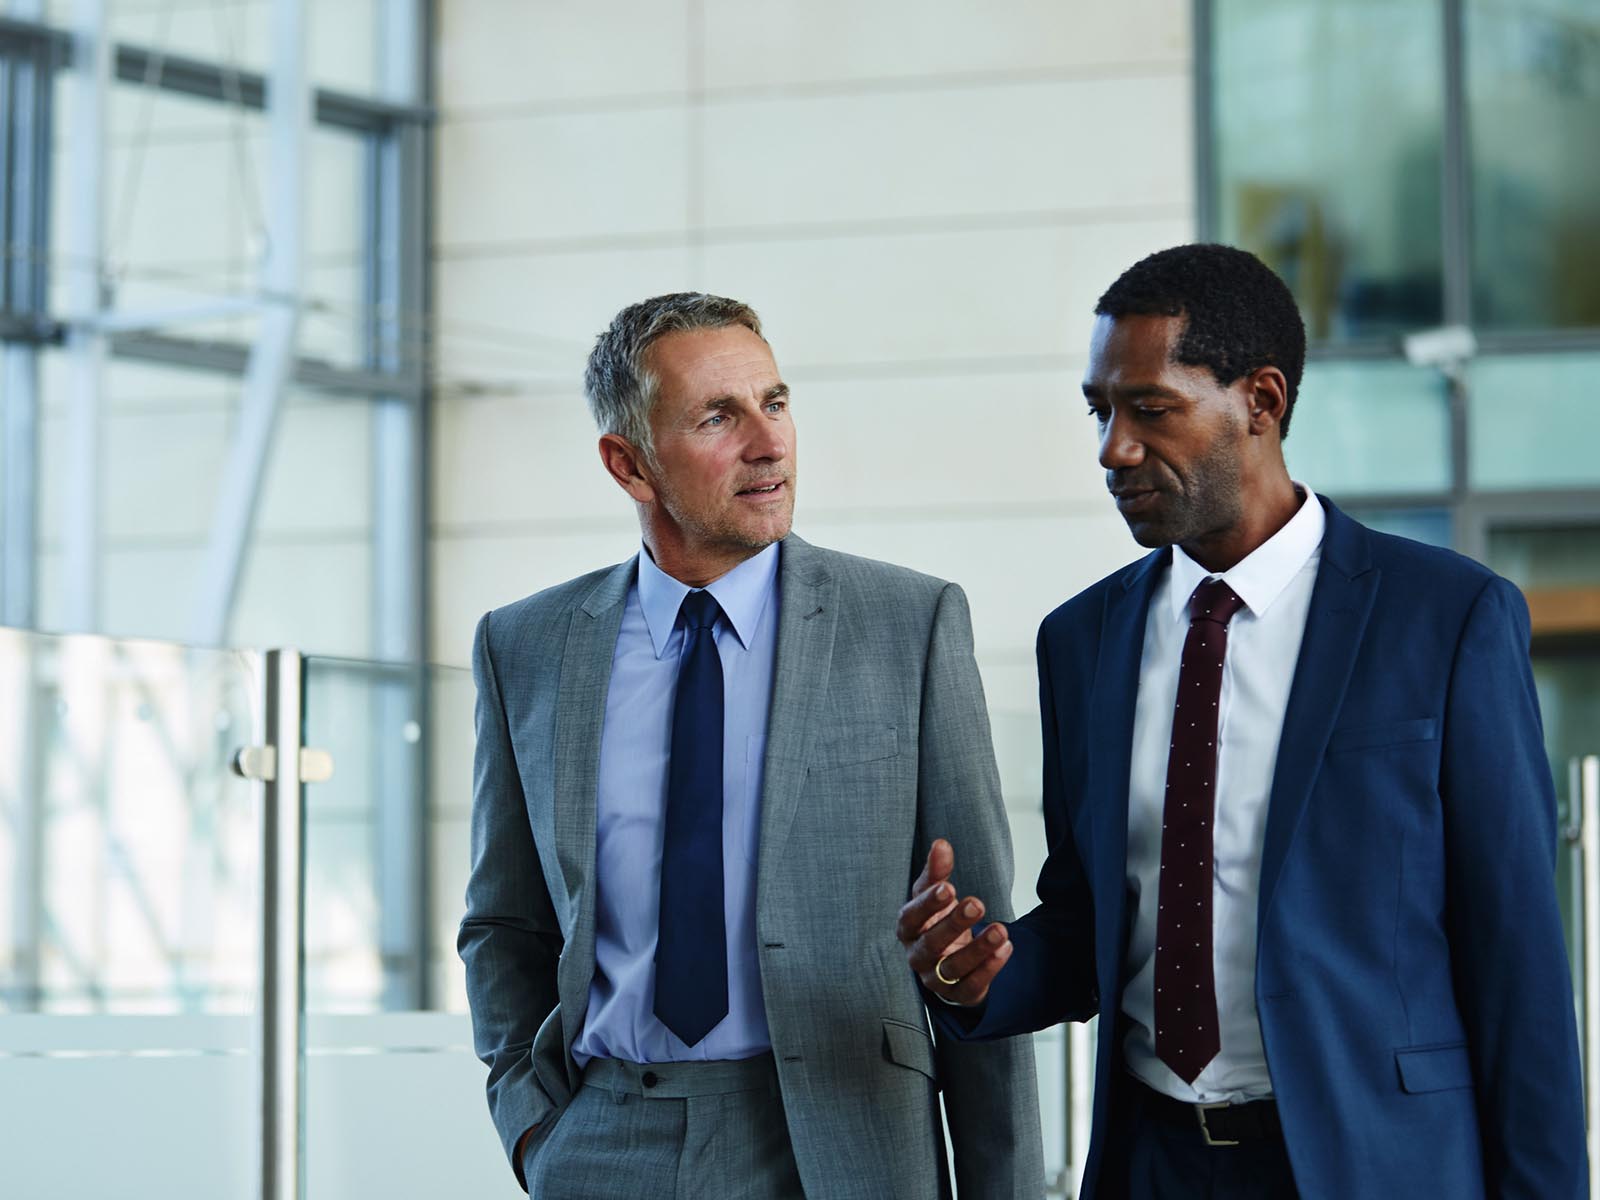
(129, 919)
(342, 37)
(186, 220)
(1533, 96)
(386, 840)
(1430, 525)
(129, 850)
(166, 434)
(1327, 154)
(1535, 421)
(1369, 428)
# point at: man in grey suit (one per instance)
(704, 779)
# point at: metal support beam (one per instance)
(211, 81)
(273, 354)
(395, 253)
(19, 484)
(82, 265)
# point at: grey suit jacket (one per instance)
(878, 742)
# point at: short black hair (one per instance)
(1239, 316)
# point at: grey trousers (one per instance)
(686, 1131)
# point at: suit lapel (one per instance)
(1341, 602)
(580, 719)
(807, 618)
(1112, 704)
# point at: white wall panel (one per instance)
(509, 319)
(507, 53)
(565, 175)
(767, 44)
(950, 443)
(474, 574)
(1014, 570)
(1005, 148)
(499, 461)
(935, 298)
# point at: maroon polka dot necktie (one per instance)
(1186, 994)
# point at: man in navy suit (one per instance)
(1300, 821)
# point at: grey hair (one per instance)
(620, 386)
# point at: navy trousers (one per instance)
(1151, 1159)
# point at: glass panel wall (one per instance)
(344, 46)
(1533, 88)
(386, 841)
(1326, 148)
(1535, 421)
(134, 455)
(1361, 428)
(308, 572)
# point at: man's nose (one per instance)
(769, 442)
(1118, 448)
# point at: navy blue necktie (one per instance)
(692, 941)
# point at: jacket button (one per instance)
(649, 1079)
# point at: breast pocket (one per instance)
(869, 744)
(1388, 733)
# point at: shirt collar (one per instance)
(743, 594)
(1260, 577)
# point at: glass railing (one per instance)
(232, 883)
(130, 919)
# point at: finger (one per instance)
(941, 861)
(923, 907)
(964, 962)
(935, 942)
(974, 985)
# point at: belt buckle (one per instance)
(1200, 1111)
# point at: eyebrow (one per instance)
(1145, 391)
(719, 403)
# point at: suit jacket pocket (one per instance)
(1434, 1068)
(1389, 733)
(868, 744)
(909, 1046)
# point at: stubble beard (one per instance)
(722, 530)
(1208, 503)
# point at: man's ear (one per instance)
(624, 463)
(1269, 399)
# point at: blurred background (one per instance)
(294, 301)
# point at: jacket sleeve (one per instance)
(990, 1091)
(1050, 975)
(1511, 974)
(510, 940)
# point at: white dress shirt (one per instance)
(1275, 583)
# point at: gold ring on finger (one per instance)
(938, 973)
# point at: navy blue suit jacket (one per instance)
(1411, 976)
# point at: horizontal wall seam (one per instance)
(865, 227)
(727, 94)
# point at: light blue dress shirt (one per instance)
(632, 807)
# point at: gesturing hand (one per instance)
(937, 934)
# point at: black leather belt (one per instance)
(1219, 1124)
